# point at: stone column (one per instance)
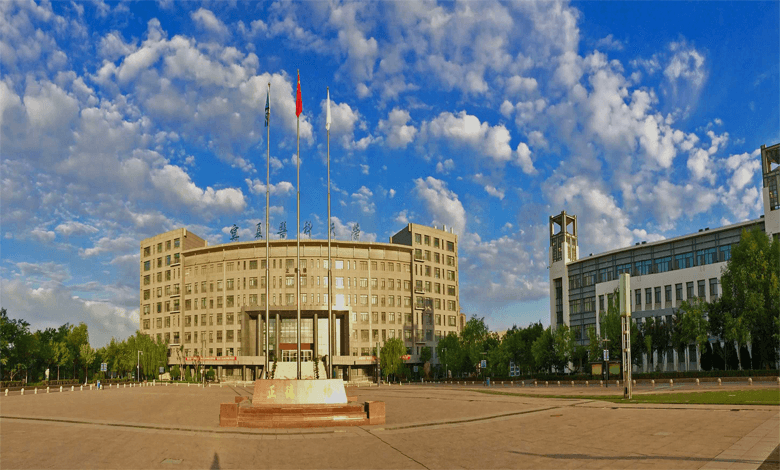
(316, 336)
(277, 335)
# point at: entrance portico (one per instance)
(282, 331)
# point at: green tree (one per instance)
(563, 346)
(87, 354)
(61, 355)
(449, 352)
(390, 357)
(736, 330)
(693, 323)
(751, 292)
(543, 351)
(15, 344)
(175, 372)
(473, 339)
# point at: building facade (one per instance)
(663, 273)
(209, 302)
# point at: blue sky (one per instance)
(123, 120)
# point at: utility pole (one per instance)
(138, 366)
(625, 322)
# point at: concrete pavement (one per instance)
(427, 427)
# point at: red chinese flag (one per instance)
(298, 102)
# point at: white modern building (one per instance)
(663, 273)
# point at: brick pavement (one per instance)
(427, 427)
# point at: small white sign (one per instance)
(606, 354)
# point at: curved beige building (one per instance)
(209, 302)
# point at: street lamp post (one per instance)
(138, 366)
(445, 364)
(606, 362)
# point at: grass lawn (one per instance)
(721, 397)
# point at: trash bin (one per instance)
(487, 381)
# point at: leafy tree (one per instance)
(594, 345)
(543, 351)
(15, 344)
(450, 354)
(425, 354)
(61, 355)
(706, 357)
(693, 323)
(472, 340)
(175, 372)
(736, 330)
(390, 357)
(718, 357)
(563, 346)
(87, 354)
(528, 335)
(751, 292)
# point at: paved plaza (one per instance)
(431, 426)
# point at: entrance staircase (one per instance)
(301, 416)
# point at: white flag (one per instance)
(327, 112)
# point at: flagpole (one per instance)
(267, 233)
(330, 280)
(298, 229)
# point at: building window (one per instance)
(451, 246)
(418, 238)
(638, 295)
(147, 265)
(668, 292)
(658, 295)
(678, 292)
(684, 260)
(663, 265)
(725, 253)
(702, 288)
(713, 288)
(601, 303)
(689, 290)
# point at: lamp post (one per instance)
(138, 366)
(606, 362)
(445, 363)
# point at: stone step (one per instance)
(302, 421)
(299, 409)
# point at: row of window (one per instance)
(427, 271)
(649, 294)
(176, 244)
(228, 352)
(425, 255)
(289, 264)
(654, 266)
(169, 260)
(316, 281)
(421, 239)
(405, 334)
(170, 275)
(170, 306)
